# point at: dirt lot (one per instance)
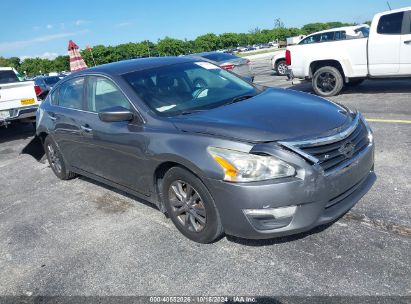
(80, 237)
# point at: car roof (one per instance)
(132, 65)
(342, 28)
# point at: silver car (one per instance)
(229, 62)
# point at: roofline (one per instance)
(340, 28)
(397, 10)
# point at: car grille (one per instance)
(331, 155)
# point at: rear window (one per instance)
(52, 80)
(390, 24)
(8, 76)
(218, 57)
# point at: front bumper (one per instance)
(319, 198)
(19, 113)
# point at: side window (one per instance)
(326, 37)
(310, 39)
(103, 94)
(54, 97)
(390, 24)
(71, 94)
(341, 35)
(407, 23)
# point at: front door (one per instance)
(114, 150)
(405, 53)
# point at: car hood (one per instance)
(275, 114)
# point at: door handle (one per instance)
(407, 42)
(52, 117)
(86, 129)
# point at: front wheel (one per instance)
(327, 81)
(281, 68)
(190, 206)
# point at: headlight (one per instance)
(4, 114)
(244, 167)
(370, 133)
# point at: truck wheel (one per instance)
(327, 81)
(281, 68)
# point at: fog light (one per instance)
(272, 218)
(274, 212)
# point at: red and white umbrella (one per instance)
(76, 61)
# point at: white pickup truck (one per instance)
(382, 51)
(18, 99)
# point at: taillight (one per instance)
(38, 90)
(287, 57)
(227, 66)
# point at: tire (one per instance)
(327, 81)
(190, 206)
(281, 68)
(56, 160)
(354, 82)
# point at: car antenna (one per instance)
(389, 6)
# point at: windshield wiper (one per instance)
(190, 112)
(238, 98)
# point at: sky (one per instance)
(43, 28)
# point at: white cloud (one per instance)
(49, 26)
(124, 24)
(45, 55)
(18, 44)
(81, 22)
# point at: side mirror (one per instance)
(115, 114)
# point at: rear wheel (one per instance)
(190, 206)
(327, 81)
(56, 160)
(281, 68)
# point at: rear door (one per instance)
(384, 45)
(405, 52)
(66, 113)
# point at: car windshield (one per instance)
(188, 87)
(51, 80)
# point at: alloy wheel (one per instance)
(282, 68)
(54, 157)
(326, 82)
(187, 206)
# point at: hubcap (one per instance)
(326, 82)
(282, 68)
(55, 161)
(187, 206)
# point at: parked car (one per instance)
(18, 100)
(46, 83)
(230, 62)
(230, 157)
(278, 63)
(381, 51)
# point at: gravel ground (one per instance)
(80, 237)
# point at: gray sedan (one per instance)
(227, 157)
(229, 62)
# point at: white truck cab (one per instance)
(18, 99)
(355, 53)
